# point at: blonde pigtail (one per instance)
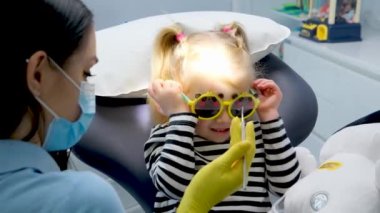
(164, 52)
(236, 31)
(165, 61)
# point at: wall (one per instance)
(265, 8)
(113, 12)
(370, 14)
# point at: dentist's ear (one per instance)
(35, 65)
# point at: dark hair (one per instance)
(56, 27)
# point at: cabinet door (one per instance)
(343, 94)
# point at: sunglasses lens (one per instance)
(207, 107)
(246, 103)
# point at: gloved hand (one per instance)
(221, 177)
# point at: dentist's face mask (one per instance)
(62, 133)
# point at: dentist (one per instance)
(47, 104)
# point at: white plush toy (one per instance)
(348, 178)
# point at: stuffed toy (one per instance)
(347, 180)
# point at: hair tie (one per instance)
(226, 29)
(180, 36)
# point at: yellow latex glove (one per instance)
(221, 177)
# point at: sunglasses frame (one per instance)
(226, 103)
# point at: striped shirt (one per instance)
(174, 153)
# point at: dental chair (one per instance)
(115, 141)
(114, 144)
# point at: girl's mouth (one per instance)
(220, 130)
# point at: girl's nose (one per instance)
(223, 117)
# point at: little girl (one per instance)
(200, 82)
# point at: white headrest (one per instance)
(125, 50)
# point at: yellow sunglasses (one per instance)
(209, 106)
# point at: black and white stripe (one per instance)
(173, 154)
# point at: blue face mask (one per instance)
(62, 134)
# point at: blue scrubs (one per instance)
(30, 181)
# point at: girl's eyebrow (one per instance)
(221, 95)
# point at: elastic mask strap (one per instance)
(65, 74)
(46, 107)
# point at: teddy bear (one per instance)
(346, 180)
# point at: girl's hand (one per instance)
(167, 96)
(270, 97)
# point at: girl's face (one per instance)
(218, 129)
(215, 70)
(61, 95)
